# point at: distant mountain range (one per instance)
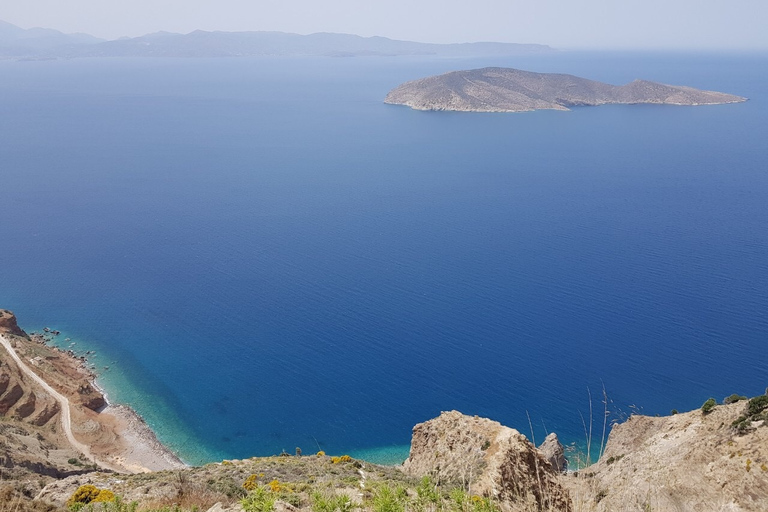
(42, 43)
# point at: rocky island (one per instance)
(62, 450)
(513, 90)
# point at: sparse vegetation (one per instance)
(757, 405)
(258, 500)
(733, 399)
(708, 406)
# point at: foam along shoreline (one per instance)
(113, 436)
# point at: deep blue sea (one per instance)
(266, 256)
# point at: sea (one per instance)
(263, 256)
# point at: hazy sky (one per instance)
(561, 23)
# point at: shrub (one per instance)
(674, 411)
(757, 405)
(104, 496)
(733, 399)
(251, 483)
(331, 503)
(386, 499)
(708, 406)
(258, 500)
(427, 491)
(84, 494)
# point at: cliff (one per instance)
(689, 462)
(488, 459)
(513, 90)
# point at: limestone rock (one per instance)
(220, 507)
(488, 459)
(554, 452)
(689, 461)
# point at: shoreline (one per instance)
(112, 435)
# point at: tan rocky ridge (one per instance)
(684, 462)
(488, 459)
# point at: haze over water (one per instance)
(266, 256)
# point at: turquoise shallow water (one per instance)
(266, 256)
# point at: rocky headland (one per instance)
(714, 458)
(513, 90)
(50, 405)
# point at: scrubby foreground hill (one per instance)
(513, 90)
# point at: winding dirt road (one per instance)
(66, 419)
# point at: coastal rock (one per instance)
(8, 324)
(487, 459)
(554, 452)
(689, 461)
(514, 90)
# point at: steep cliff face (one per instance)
(8, 324)
(686, 462)
(488, 459)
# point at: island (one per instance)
(512, 90)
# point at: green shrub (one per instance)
(328, 502)
(427, 491)
(674, 411)
(757, 405)
(459, 500)
(386, 499)
(258, 500)
(733, 399)
(708, 406)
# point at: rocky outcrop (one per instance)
(488, 459)
(688, 462)
(554, 452)
(8, 324)
(91, 398)
(513, 90)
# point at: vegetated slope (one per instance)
(513, 90)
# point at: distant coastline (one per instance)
(49, 44)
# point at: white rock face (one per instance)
(554, 452)
(488, 459)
